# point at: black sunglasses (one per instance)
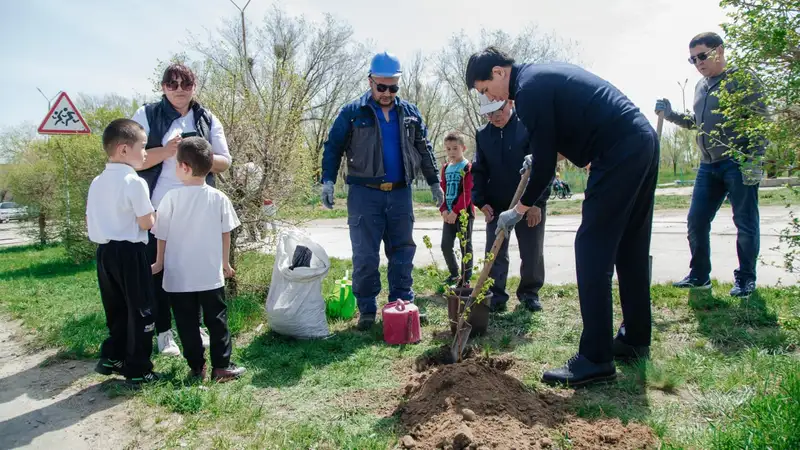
(392, 88)
(702, 56)
(184, 84)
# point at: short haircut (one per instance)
(455, 136)
(122, 131)
(480, 64)
(709, 39)
(176, 70)
(196, 153)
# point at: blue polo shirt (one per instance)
(392, 151)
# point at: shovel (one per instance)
(464, 328)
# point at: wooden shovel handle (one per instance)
(660, 125)
(498, 241)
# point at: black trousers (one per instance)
(615, 231)
(449, 234)
(187, 306)
(531, 252)
(163, 312)
(126, 289)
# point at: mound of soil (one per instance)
(475, 405)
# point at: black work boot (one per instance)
(108, 366)
(743, 288)
(625, 352)
(531, 303)
(498, 307)
(691, 282)
(579, 371)
(365, 321)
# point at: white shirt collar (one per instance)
(120, 166)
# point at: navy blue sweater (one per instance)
(571, 111)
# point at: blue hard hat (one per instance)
(385, 65)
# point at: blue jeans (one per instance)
(715, 181)
(375, 216)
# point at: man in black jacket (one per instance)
(572, 112)
(501, 146)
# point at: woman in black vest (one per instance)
(166, 122)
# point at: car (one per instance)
(11, 211)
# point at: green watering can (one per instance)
(344, 305)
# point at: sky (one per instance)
(97, 47)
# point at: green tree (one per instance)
(764, 39)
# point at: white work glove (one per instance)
(507, 221)
(438, 195)
(327, 194)
(527, 164)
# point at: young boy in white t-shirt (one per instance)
(193, 228)
(118, 215)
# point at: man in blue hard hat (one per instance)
(572, 112)
(385, 142)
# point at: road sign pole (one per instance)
(66, 180)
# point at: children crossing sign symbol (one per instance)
(64, 118)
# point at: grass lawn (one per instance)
(314, 211)
(725, 372)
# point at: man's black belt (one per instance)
(386, 187)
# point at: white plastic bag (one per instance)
(295, 306)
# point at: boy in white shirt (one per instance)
(193, 229)
(118, 215)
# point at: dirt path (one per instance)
(53, 404)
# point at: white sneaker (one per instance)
(204, 337)
(167, 345)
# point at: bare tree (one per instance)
(529, 46)
(423, 88)
(275, 107)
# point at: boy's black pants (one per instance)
(163, 313)
(615, 231)
(186, 306)
(449, 234)
(126, 288)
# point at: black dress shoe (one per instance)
(743, 288)
(691, 282)
(579, 371)
(365, 322)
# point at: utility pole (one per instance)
(247, 64)
(63, 153)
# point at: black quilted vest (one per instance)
(160, 116)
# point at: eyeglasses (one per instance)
(498, 111)
(184, 84)
(702, 56)
(392, 88)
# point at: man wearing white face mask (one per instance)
(501, 146)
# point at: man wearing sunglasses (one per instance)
(385, 143)
(501, 146)
(166, 122)
(719, 175)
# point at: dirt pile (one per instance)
(476, 405)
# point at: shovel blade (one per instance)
(460, 341)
